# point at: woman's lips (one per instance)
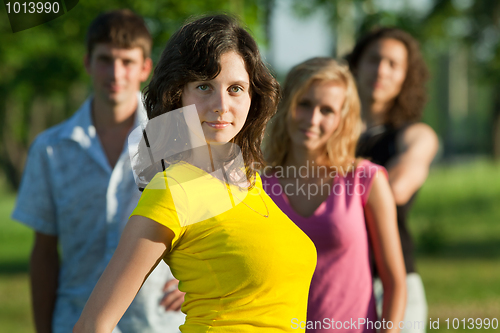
(309, 133)
(378, 85)
(218, 124)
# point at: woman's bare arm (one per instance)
(408, 170)
(142, 245)
(380, 212)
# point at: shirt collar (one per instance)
(81, 129)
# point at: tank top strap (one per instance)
(366, 172)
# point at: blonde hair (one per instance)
(341, 146)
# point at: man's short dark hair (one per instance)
(122, 29)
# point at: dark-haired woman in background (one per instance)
(391, 76)
(243, 269)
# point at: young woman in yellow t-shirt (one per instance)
(244, 266)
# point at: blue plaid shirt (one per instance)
(69, 190)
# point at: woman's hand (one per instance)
(173, 298)
(142, 245)
(380, 212)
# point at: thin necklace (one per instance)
(228, 188)
(231, 194)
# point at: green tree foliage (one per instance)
(42, 78)
(353, 18)
(445, 26)
(475, 24)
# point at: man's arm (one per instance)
(408, 171)
(44, 270)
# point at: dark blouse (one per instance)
(378, 144)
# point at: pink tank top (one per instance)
(341, 294)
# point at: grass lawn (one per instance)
(455, 223)
(15, 245)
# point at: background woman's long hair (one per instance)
(341, 146)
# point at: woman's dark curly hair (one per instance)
(193, 53)
(409, 104)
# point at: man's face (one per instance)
(117, 73)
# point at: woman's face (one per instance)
(222, 103)
(382, 70)
(317, 114)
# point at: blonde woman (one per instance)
(344, 205)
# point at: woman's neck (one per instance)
(374, 112)
(299, 157)
(222, 157)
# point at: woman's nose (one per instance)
(309, 117)
(382, 69)
(315, 115)
(220, 102)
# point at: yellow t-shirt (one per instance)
(241, 271)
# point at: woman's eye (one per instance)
(393, 64)
(235, 89)
(203, 87)
(304, 104)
